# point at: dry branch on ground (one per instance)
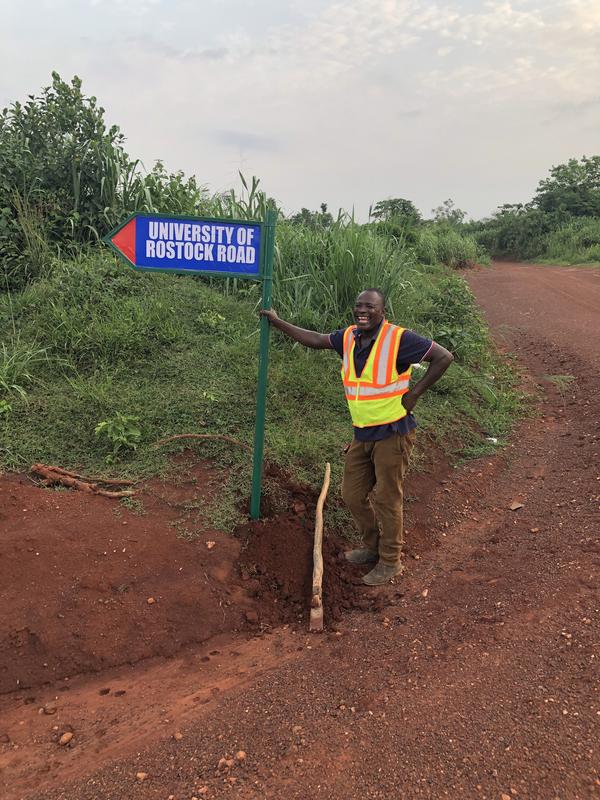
(57, 475)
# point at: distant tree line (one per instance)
(561, 222)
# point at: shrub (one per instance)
(319, 273)
(515, 231)
(93, 311)
(449, 314)
(65, 179)
(441, 243)
(122, 432)
(576, 242)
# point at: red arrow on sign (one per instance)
(124, 240)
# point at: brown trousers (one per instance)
(378, 469)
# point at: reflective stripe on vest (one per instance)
(399, 387)
(375, 398)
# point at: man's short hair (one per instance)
(377, 291)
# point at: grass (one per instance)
(177, 356)
(18, 362)
(576, 242)
(319, 272)
(565, 262)
(562, 383)
(440, 243)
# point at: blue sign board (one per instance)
(190, 244)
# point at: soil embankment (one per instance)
(475, 676)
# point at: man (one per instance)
(376, 367)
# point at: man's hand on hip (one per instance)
(409, 401)
(439, 360)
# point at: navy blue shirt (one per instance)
(413, 349)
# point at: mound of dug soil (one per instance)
(276, 560)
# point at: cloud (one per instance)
(540, 53)
(246, 141)
(365, 99)
(567, 109)
(134, 6)
(409, 113)
(150, 44)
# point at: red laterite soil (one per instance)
(473, 675)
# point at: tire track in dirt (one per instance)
(481, 680)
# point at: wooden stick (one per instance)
(223, 437)
(105, 481)
(54, 475)
(316, 605)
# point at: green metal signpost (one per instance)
(263, 364)
(202, 246)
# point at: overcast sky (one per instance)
(339, 102)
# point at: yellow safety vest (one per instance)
(376, 397)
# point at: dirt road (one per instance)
(476, 676)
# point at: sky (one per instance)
(346, 103)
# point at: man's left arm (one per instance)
(439, 360)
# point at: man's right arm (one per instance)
(317, 341)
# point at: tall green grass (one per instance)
(319, 272)
(182, 357)
(19, 362)
(577, 242)
(443, 244)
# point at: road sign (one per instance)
(202, 246)
(189, 245)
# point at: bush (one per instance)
(448, 313)
(319, 273)
(441, 243)
(93, 311)
(121, 432)
(576, 242)
(65, 179)
(516, 231)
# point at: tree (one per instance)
(313, 219)
(61, 168)
(57, 151)
(448, 212)
(65, 179)
(398, 210)
(516, 230)
(572, 188)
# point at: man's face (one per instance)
(368, 311)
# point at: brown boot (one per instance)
(361, 556)
(382, 573)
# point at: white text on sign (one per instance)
(200, 242)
